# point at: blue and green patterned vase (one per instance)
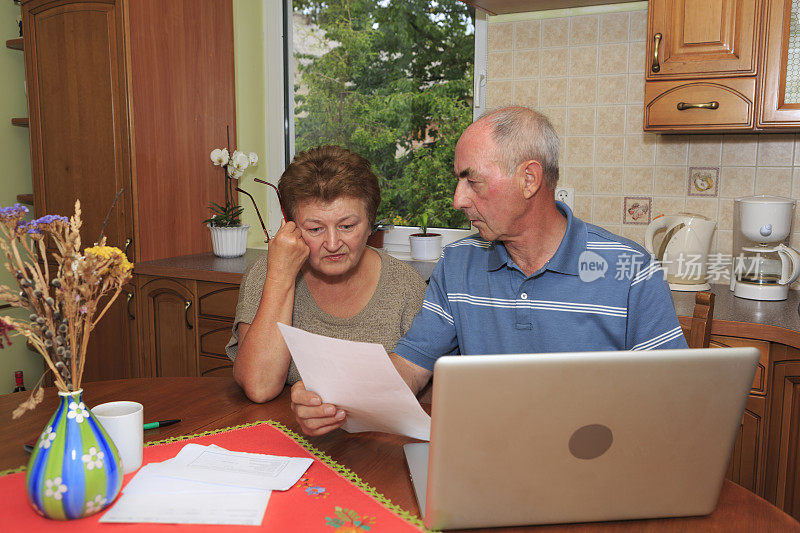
(74, 470)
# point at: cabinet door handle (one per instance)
(128, 306)
(186, 314)
(656, 41)
(127, 243)
(683, 106)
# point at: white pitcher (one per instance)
(683, 252)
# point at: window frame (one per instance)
(396, 239)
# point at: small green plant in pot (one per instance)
(425, 246)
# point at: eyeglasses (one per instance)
(261, 220)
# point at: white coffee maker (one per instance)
(763, 263)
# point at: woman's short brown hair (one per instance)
(326, 173)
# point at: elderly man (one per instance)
(537, 280)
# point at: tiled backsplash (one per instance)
(586, 72)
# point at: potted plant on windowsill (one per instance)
(425, 246)
(228, 234)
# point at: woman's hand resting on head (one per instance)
(287, 251)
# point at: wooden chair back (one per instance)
(699, 334)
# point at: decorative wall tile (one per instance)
(583, 30)
(526, 34)
(725, 219)
(774, 180)
(705, 150)
(613, 59)
(582, 91)
(724, 244)
(580, 120)
(638, 180)
(583, 61)
(611, 89)
(634, 119)
(636, 62)
(673, 150)
(668, 206)
(640, 149)
(737, 182)
(739, 150)
(638, 27)
(557, 116)
(581, 179)
(580, 151)
(610, 150)
(500, 36)
(703, 181)
(636, 91)
(583, 206)
(608, 180)
(526, 92)
(526, 64)
(669, 181)
(636, 210)
(501, 65)
(555, 62)
(775, 150)
(610, 120)
(708, 207)
(614, 28)
(499, 93)
(607, 210)
(555, 32)
(553, 91)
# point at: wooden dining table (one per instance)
(205, 404)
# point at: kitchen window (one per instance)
(392, 81)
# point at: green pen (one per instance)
(161, 423)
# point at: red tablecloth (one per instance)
(327, 498)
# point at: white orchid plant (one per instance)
(234, 166)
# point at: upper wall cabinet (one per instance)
(702, 38)
(130, 95)
(702, 65)
(780, 88)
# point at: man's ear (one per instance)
(533, 178)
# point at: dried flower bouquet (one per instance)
(63, 303)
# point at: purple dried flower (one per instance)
(14, 212)
(5, 327)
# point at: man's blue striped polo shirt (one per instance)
(598, 292)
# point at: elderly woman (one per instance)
(319, 274)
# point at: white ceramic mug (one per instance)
(124, 423)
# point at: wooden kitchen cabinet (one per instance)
(782, 472)
(780, 88)
(167, 326)
(133, 95)
(113, 343)
(722, 65)
(702, 38)
(130, 94)
(702, 62)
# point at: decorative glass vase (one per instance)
(74, 470)
(229, 241)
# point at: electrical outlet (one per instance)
(566, 195)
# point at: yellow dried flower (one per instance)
(111, 253)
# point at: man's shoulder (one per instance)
(601, 240)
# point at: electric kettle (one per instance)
(683, 252)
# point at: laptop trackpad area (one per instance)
(417, 459)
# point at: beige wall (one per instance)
(586, 72)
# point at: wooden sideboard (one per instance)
(185, 308)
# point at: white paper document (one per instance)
(238, 469)
(360, 378)
(228, 508)
(206, 485)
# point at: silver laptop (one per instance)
(579, 437)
